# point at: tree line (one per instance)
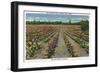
(84, 23)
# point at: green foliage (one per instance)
(69, 21)
(38, 22)
(50, 52)
(84, 25)
(32, 50)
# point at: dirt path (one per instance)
(42, 52)
(77, 49)
(61, 51)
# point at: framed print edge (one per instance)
(96, 36)
(14, 36)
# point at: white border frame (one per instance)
(48, 63)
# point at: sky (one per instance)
(55, 16)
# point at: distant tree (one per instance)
(84, 25)
(69, 21)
